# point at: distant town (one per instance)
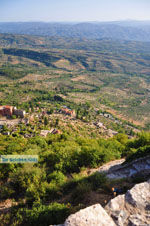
(40, 122)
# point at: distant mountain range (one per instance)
(122, 30)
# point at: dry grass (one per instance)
(76, 79)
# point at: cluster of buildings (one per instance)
(44, 133)
(68, 111)
(110, 117)
(103, 129)
(8, 111)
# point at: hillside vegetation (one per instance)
(58, 184)
(86, 92)
(113, 74)
(125, 30)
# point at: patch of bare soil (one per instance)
(6, 205)
(81, 77)
(98, 197)
(34, 77)
(15, 62)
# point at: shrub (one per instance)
(39, 141)
(142, 140)
(89, 157)
(51, 191)
(138, 147)
(97, 180)
(6, 192)
(14, 116)
(27, 180)
(57, 176)
(43, 215)
(81, 191)
(139, 153)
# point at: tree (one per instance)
(45, 121)
(1, 52)
(5, 128)
(50, 111)
(57, 122)
(14, 116)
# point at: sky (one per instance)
(73, 10)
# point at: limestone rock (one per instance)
(91, 216)
(139, 166)
(133, 208)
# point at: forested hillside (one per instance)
(126, 30)
(59, 184)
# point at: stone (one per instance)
(133, 208)
(91, 216)
(140, 166)
(139, 195)
(136, 220)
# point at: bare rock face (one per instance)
(133, 208)
(91, 216)
(139, 166)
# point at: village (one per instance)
(40, 122)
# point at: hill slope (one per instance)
(114, 30)
(113, 74)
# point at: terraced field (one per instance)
(111, 75)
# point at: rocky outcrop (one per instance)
(119, 169)
(91, 216)
(133, 208)
(137, 167)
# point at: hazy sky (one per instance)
(74, 10)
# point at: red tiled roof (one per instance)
(7, 106)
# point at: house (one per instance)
(44, 133)
(19, 112)
(107, 115)
(56, 131)
(6, 133)
(111, 133)
(68, 111)
(100, 125)
(1, 111)
(27, 135)
(6, 110)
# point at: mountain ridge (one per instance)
(123, 30)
